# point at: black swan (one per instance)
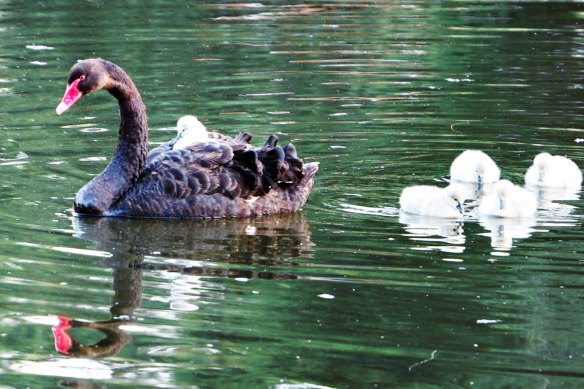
(224, 177)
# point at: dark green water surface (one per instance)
(347, 293)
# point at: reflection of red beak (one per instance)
(63, 341)
(72, 95)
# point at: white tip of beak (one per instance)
(62, 108)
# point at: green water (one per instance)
(347, 293)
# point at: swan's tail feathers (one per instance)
(248, 166)
(290, 151)
(247, 159)
(310, 170)
(271, 142)
(274, 167)
(243, 137)
(295, 171)
(299, 193)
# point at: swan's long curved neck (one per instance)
(99, 195)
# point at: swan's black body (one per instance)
(222, 178)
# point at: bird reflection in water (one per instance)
(127, 297)
(132, 242)
(504, 231)
(445, 230)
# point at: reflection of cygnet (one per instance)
(474, 166)
(503, 231)
(553, 171)
(425, 227)
(433, 201)
(508, 200)
(190, 130)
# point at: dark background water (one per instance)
(347, 293)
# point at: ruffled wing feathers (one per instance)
(227, 166)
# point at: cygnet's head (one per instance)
(503, 189)
(455, 196)
(192, 125)
(190, 130)
(541, 163)
(480, 170)
(542, 159)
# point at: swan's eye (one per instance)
(81, 78)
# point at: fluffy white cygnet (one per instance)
(434, 201)
(553, 171)
(190, 130)
(474, 166)
(508, 200)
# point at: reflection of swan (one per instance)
(173, 247)
(553, 171)
(127, 297)
(503, 230)
(115, 338)
(434, 201)
(508, 200)
(285, 235)
(427, 226)
(189, 130)
(474, 166)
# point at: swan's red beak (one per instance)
(72, 95)
(63, 341)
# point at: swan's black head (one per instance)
(88, 76)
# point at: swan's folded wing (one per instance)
(242, 138)
(160, 150)
(208, 155)
(204, 168)
(214, 179)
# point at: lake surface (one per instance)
(348, 292)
